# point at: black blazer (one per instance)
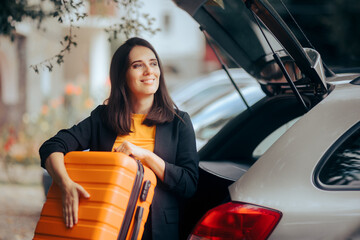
(174, 143)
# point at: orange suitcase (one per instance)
(121, 190)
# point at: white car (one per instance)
(200, 92)
(305, 184)
(212, 100)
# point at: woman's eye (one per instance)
(137, 65)
(154, 64)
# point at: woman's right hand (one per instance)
(71, 192)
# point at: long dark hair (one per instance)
(118, 113)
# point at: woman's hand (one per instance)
(148, 158)
(132, 150)
(71, 192)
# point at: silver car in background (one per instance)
(197, 93)
(212, 100)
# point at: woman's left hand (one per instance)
(132, 150)
(147, 157)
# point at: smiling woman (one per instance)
(142, 76)
(140, 120)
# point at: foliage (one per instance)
(132, 22)
(69, 13)
(12, 12)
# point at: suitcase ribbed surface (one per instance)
(109, 178)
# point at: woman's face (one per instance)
(143, 73)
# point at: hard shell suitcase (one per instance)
(121, 190)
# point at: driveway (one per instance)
(20, 204)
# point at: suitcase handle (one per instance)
(129, 212)
(137, 224)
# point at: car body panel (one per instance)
(336, 213)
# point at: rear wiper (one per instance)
(278, 60)
(223, 66)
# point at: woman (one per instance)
(140, 120)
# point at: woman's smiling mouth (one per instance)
(148, 81)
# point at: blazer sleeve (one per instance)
(182, 177)
(76, 138)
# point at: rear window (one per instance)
(341, 168)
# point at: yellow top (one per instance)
(141, 135)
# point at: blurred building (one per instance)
(24, 93)
(12, 79)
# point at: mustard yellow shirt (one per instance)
(141, 135)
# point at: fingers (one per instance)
(82, 192)
(118, 149)
(74, 213)
(70, 198)
(126, 148)
(132, 150)
(69, 205)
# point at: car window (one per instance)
(214, 116)
(206, 96)
(341, 169)
(270, 139)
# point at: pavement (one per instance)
(21, 202)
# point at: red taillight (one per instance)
(236, 220)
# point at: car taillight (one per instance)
(235, 220)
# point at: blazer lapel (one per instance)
(165, 147)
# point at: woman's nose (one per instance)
(147, 70)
